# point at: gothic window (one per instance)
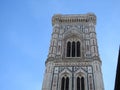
(68, 49)
(73, 49)
(65, 83)
(80, 83)
(78, 49)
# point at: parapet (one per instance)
(74, 18)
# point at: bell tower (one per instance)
(73, 61)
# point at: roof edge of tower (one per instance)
(73, 18)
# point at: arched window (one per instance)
(73, 49)
(78, 49)
(80, 83)
(65, 83)
(68, 49)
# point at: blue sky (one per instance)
(25, 33)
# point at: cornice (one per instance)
(74, 18)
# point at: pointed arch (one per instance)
(67, 83)
(68, 49)
(82, 84)
(67, 74)
(78, 49)
(80, 79)
(73, 49)
(78, 83)
(63, 83)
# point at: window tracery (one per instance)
(65, 83)
(80, 83)
(73, 49)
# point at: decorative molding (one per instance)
(80, 18)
